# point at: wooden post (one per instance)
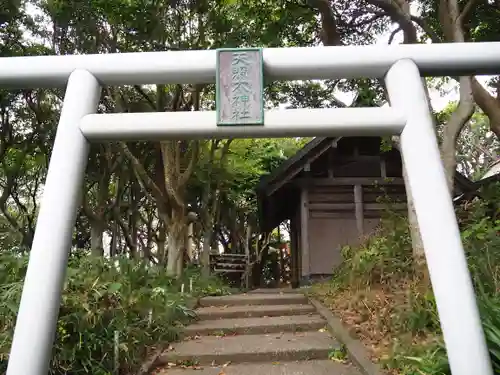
(304, 233)
(280, 256)
(358, 202)
(294, 248)
(330, 163)
(383, 170)
(248, 235)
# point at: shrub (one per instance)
(384, 256)
(424, 360)
(432, 359)
(385, 260)
(101, 298)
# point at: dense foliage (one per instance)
(101, 299)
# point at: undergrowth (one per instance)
(102, 299)
(381, 295)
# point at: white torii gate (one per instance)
(408, 116)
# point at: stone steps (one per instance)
(259, 332)
(254, 299)
(273, 291)
(242, 311)
(252, 326)
(253, 348)
(321, 367)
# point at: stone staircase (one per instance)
(273, 333)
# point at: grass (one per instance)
(338, 354)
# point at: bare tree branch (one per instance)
(145, 96)
(393, 35)
(373, 18)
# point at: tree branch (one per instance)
(374, 17)
(142, 174)
(145, 96)
(454, 126)
(400, 16)
(393, 35)
(126, 233)
(86, 208)
(330, 35)
(168, 154)
(466, 12)
(195, 151)
(489, 105)
(427, 29)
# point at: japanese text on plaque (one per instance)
(241, 88)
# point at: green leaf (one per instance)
(114, 287)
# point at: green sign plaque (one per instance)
(240, 87)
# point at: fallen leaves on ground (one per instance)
(191, 338)
(369, 314)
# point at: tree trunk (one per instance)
(114, 239)
(173, 252)
(133, 248)
(248, 235)
(181, 257)
(210, 205)
(189, 242)
(205, 253)
(146, 249)
(261, 254)
(96, 237)
(175, 245)
(162, 239)
(257, 271)
(451, 20)
(133, 218)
